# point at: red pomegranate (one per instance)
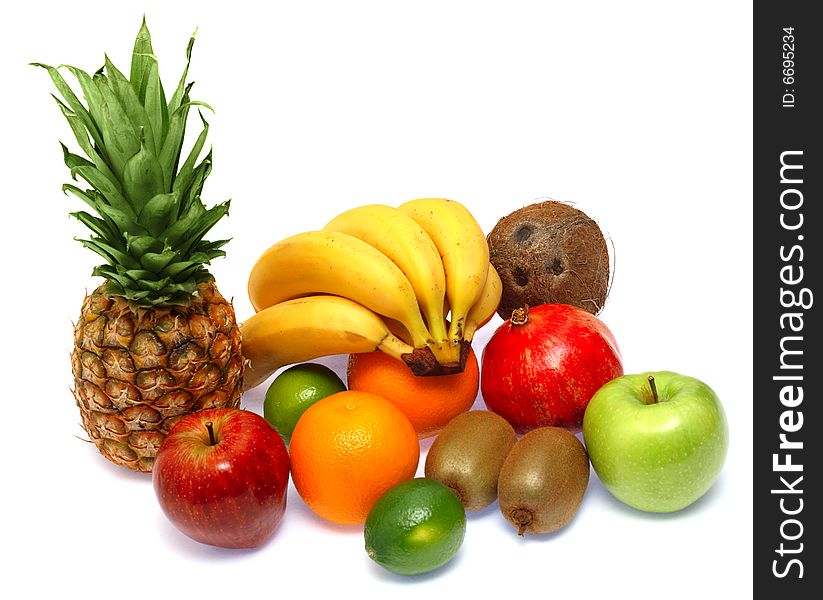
(543, 365)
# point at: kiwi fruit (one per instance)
(468, 454)
(550, 253)
(542, 480)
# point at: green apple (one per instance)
(656, 440)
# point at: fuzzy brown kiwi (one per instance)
(550, 253)
(542, 480)
(468, 454)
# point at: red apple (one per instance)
(542, 366)
(221, 477)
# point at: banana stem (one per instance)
(456, 328)
(422, 361)
(447, 354)
(436, 322)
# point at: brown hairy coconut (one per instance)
(550, 253)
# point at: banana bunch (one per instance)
(414, 282)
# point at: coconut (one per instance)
(550, 253)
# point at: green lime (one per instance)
(415, 527)
(293, 391)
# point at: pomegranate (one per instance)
(543, 365)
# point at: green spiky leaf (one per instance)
(186, 173)
(158, 212)
(146, 215)
(177, 97)
(132, 106)
(112, 255)
(204, 223)
(100, 227)
(155, 262)
(74, 161)
(142, 179)
(142, 58)
(74, 105)
(138, 245)
(156, 106)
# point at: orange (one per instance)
(429, 401)
(347, 450)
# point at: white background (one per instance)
(637, 112)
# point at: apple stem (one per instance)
(210, 429)
(654, 389)
(520, 316)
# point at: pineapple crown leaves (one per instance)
(146, 217)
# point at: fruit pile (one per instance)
(159, 366)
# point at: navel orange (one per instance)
(347, 450)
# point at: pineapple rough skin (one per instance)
(139, 371)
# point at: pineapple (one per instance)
(156, 340)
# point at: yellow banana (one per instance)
(463, 249)
(305, 328)
(397, 328)
(400, 238)
(485, 308)
(330, 262)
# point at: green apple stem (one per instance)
(210, 428)
(653, 385)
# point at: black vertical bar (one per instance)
(788, 367)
